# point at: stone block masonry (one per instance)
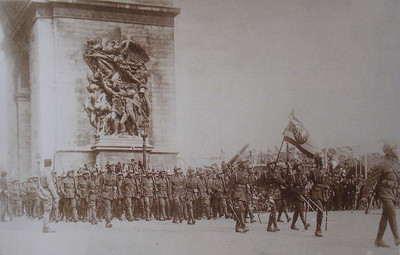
(51, 111)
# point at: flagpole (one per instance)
(287, 152)
(280, 149)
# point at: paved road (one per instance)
(348, 233)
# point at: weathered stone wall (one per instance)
(48, 115)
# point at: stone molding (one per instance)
(133, 13)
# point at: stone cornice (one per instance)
(102, 11)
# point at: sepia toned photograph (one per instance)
(191, 127)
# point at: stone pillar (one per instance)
(48, 82)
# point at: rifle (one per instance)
(252, 202)
(371, 198)
(326, 218)
(154, 185)
(234, 158)
(229, 201)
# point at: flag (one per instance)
(297, 135)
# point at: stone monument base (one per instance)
(123, 148)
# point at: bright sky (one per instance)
(241, 66)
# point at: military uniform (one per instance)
(218, 187)
(16, 200)
(177, 191)
(163, 196)
(386, 175)
(204, 194)
(238, 190)
(92, 190)
(192, 193)
(120, 197)
(318, 195)
(47, 193)
(82, 198)
(128, 188)
(298, 182)
(147, 187)
(69, 193)
(272, 181)
(109, 188)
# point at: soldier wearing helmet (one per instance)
(386, 176)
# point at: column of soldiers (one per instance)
(235, 192)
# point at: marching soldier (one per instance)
(48, 194)
(92, 190)
(138, 201)
(272, 180)
(147, 194)
(16, 202)
(82, 196)
(128, 188)
(204, 193)
(120, 197)
(285, 194)
(317, 193)
(192, 192)
(108, 185)
(249, 209)
(298, 183)
(386, 175)
(218, 186)
(162, 193)
(237, 187)
(177, 191)
(69, 192)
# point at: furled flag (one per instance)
(297, 135)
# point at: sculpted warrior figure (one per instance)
(116, 102)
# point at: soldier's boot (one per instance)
(238, 228)
(246, 217)
(108, 224)
(226, 212)
(287, 215)
(279, 216)
(176, 214)
(318, 232)
(75, 215)
(381, 243)
(306, 225)
(208, 212)
(136, 212)
(270, 220)
(192, 216)
(143, 213)
(148, 216)
(252, 220)
(162, 214)
(48, 230)
(295, 217)
(129, 214)
(244, 227)
(84, 215)
(275, 223)
(57, 214)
